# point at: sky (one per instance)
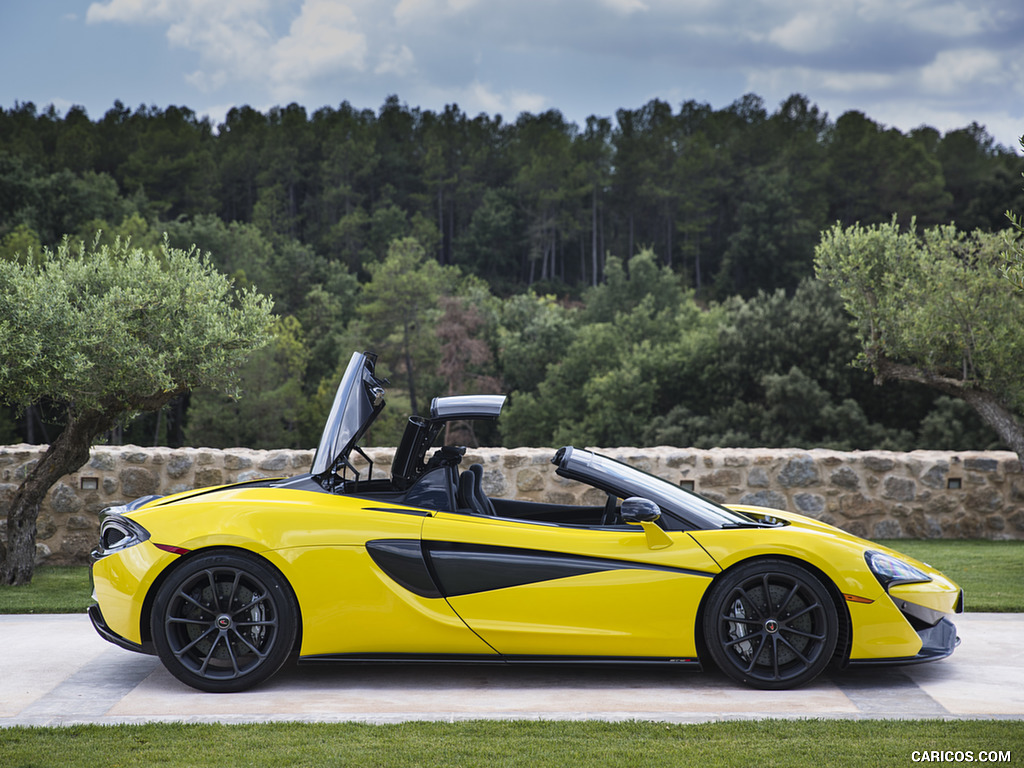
(903, 63)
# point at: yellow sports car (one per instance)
(226, 584)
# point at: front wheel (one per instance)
(224, 622)
(770, 624)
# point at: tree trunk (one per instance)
(66, 454)
(992, 410)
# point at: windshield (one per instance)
(359, 399)
(624, 480)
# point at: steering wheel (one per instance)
(611, 511)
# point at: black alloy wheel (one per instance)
(770, 624)
(224, 621)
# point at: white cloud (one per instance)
(952, 71)
(324, 38)
(412, 11)
(806, 32)
(396, 60)
(626, 6)
(126, 11)
(480, 97)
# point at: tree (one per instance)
(1013, 269)
(106, 332)
(271, 413)
(934, 308)
(400, 306)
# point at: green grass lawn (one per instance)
(489, 744)
(990, 572)
(55, 589)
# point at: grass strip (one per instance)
(54, 589)
(489, 744)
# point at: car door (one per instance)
(543, 589)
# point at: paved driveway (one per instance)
(55, 670)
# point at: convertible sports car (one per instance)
(226, 584)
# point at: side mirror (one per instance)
(638, 510)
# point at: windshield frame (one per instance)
(693, 511)
(357, 403)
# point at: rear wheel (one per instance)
(770, 624)
(224, 621)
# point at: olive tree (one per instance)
(933, 307)
(106, 332)
(1013, 238)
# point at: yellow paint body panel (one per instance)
(122, 580)
(350, 606)
(620, 612)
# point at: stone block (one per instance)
(209, 476)
(936, 475)
(799, 472)
(529, 480)
(811, 504)
(138, 481)
(758, 478)
(887, 529)
(984, 500)
(179, 466)
(276, 462)
(879, 463)
(772, 499)
(135, 456)
(104, 462)
(844, 477)
(899, 489)
(976, 464)
(64, 500)
(720, 478)
(235, 461)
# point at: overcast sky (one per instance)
(904, 63)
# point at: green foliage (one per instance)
(306, 207)
(272, 411)
(934, 300)
(934, 308)
(1013, 239)
(533, 333)
(20, 244)
(400, 306)
(116, 326)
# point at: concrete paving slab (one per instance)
(55, 670)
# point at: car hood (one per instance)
(358, 402)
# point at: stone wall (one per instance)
(877, 494)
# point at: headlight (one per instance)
(891, 570)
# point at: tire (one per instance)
(770, 624)
(224, 621)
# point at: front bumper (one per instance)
(937, 642)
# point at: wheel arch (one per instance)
(841, 654)
(146, 614)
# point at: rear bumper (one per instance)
(96, 617)
(937, 642)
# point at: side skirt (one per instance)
(443, 658)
